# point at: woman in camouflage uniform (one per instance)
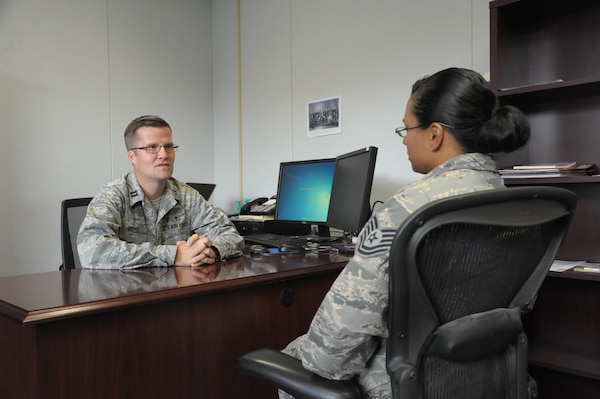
(452, 122)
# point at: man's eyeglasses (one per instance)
(155, 149)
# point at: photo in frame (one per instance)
(324, 117)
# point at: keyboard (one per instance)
(272, 240)
(343, 248)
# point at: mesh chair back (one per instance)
(482, 254)
(72, 214)
(471, 268)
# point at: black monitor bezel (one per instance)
(337, 195)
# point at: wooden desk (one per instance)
(154, 333)
(564, 336)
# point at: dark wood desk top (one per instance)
(42, 297)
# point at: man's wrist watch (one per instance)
(217, 254)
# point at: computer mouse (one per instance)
(289, 248)
(258, 249)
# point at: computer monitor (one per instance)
(304, 190)
(349, 206)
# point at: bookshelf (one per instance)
(545, 59)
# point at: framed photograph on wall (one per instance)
(325, 117)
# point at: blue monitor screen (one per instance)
(304, 190)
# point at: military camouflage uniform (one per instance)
(121, 230)
(347, 336)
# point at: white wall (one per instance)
(369, 53)
(74, 73)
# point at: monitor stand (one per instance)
(324, 235)
(324, 231)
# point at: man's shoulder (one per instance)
(175, 184)
(116, 191)
(181, 191)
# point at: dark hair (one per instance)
(462, 102)
(142, 121)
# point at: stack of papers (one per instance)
(559, 169)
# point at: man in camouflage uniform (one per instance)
(347, 336)
(148, 218)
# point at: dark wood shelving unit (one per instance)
(545, 60)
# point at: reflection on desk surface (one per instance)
(45, 291)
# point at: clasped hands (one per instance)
(195, 252)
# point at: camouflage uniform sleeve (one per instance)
(213, 223)
(100, 247)
(350, 324)
(345, 331)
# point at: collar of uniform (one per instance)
(136, 194)
(473, 160)
(172, 193)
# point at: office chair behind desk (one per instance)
(462, 272)
(71, 215)
(205, 189)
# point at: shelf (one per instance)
(559, 87)
(539, 46)
(551, 180)
(571, 274)
(564, 362)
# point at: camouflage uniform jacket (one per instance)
(116, 232)
(347, 336)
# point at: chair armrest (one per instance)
(475, 336)
(286, 373)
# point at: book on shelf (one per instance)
(587, 267)
(559, 169)
(546, 166)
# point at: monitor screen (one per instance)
(303, 191)
(349, 207)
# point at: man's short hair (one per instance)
(142, 121)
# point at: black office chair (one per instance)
(462, 272)
(72, 213)
(205, 189)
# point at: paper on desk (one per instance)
(562, 265)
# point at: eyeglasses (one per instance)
(401, 131)
(155, 149)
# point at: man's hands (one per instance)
(195, 252)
